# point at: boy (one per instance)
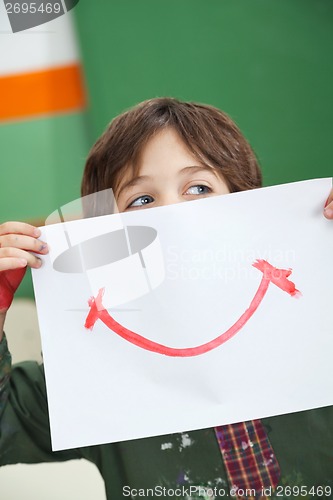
(164, 151)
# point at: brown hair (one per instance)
(210, 135)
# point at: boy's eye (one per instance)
(199, 189)
(141, 201)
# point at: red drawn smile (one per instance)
(271, 274)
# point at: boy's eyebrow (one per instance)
(194, 169)
(142, 178)
(134, 182)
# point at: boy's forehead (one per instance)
(164, 142)
(164, 153)
(133, 169)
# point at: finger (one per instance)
(23, 242)
(16, 253)
(19, 228)
(9, 263)
(328, 210)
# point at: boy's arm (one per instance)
(24, 420)
(2, 323)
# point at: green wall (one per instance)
(268, 63)
(42, 162)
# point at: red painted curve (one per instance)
(271, 274)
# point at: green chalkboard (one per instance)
(268, 63)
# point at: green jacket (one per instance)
(303, 444)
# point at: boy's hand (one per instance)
(328, 210)
(17, 241)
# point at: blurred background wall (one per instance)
(268, 63)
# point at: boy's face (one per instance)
(168, 173)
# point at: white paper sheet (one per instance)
(188, 280)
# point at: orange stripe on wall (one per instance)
(42, 92)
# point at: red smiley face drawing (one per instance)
(271, 274)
